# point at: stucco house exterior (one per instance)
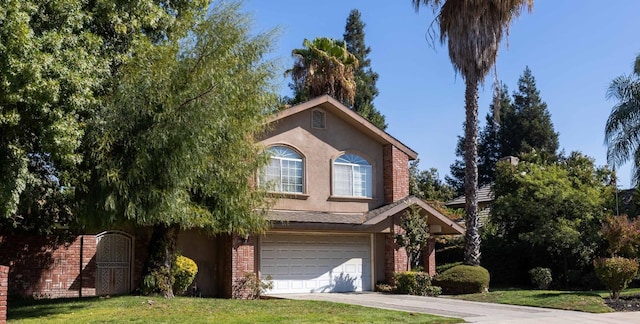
(342, 185)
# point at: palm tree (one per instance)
(324, 66)
(473, 30)
(622, 131)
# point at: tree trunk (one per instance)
(162, 250)
(472, 235)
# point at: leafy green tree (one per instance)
(473, 31)
(548, 214)
(323, 66)
(58, 59)
(527, 127)
(426, 184)
(365, 77)
(621, 131)
(416, 234)
(175, 142)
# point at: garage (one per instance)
(303, 263)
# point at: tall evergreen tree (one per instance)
(522, 126)
(529, 129)
(365, 77)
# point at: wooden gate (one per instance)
(113, 263)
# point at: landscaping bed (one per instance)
(625, 303)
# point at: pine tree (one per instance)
(365, 77)
(527, 128)
(523, 126)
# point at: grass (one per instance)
(584, 301)
(137, 309)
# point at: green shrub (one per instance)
(415, 283)
(444, 267)
(541, 277)
(615, 273)
(463, 279)
(250, 286)
(184, 271)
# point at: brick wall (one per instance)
(396, 174)
(395, 257)
(4, 289)
(49, 267)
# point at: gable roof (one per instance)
(449, 226)
(330, 104)
(484, 195)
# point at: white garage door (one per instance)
(316, 263)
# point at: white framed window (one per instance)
(352, 176)
(284, 173)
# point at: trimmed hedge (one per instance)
(444, 267)
(415, 283)
(463, 279)
(615, 273)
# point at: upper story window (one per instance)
(318, 119)
(352, 176)
(284, 172)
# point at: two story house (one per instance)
(343, 186)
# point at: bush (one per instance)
(541, 277)
(444, 267)
(463, 279)
(415, 283)
(250, 286)
(184, 271)
(615, 273)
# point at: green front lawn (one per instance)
(583, 301)
(205, 310)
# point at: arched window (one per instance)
(352, 176)
(284, 172)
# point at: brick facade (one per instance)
(396, 174)
(4, 290)
(429, 257)
(238, 257)
(395, 256)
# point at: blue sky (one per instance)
(574, 48)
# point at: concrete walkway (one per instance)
(473, 312)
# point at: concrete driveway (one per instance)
(473, 312)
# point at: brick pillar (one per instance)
(395, 257)
(429, 257)
(396, 174)
(4, 289)
(88, 265)
(238, 257)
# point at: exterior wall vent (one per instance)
(318, 119)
